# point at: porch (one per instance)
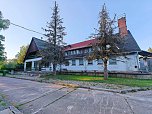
(32, 64)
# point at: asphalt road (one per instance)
(42, 98)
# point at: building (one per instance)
(75, 54)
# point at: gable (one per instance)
(130, 43)
(32, 48)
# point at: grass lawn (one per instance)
(100, 79)
(2, 103)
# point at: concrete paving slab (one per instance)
(42, 102)
(6, 111)
(140, 107)
(20, 91)
(43, 98)
(83, 101)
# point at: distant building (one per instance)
(75, 54)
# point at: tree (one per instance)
(4, 24)
(53, 53)
(21, 54)
(106, 41)
(150, 50)
(9, 65)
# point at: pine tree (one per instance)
(4, 24)
(53, 53)
(105, 44)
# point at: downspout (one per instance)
(85, 64)
(137, 60)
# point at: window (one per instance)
(67, 63)
(112, 61)
(99, 62)
(80, 61)
(66, 53)
(69, 52)
(73, 62)
(86, 50)
(80, 51)
(75, 51)
(90, 62)
(72, 53)
(89, 50)
(47, 64)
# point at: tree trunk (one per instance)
(54, 69)
(60, 68)
(105, 70)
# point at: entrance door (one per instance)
(28, 66)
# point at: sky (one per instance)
(80, 17)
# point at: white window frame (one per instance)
(113, 61)
(81, 62)
(100, 62)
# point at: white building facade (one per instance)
(121, 63)
(76, 53)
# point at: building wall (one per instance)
(127, 63)
(123, 63)
(146, 64)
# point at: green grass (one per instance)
(100, 79)
(2, 103)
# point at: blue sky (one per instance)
(80, 18)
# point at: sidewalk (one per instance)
(88, 85)
(7, 108)
(32, 97)
(6, 111)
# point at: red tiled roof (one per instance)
(80, 45)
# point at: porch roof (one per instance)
(145, 53)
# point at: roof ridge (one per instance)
(82, 41)
(39, 39)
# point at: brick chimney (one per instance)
(122, 26)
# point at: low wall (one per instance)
(134, 75)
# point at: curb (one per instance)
(100, 89)
(119, 91)
(10, 108)
(86, 87)
(14, 110)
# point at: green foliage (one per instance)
(53, 53)
(2, 64)
(105, 44)
(2, 103)
(21, 54)
(8, 65)
(4, 24)
(150, 50)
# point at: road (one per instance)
(42, 98)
